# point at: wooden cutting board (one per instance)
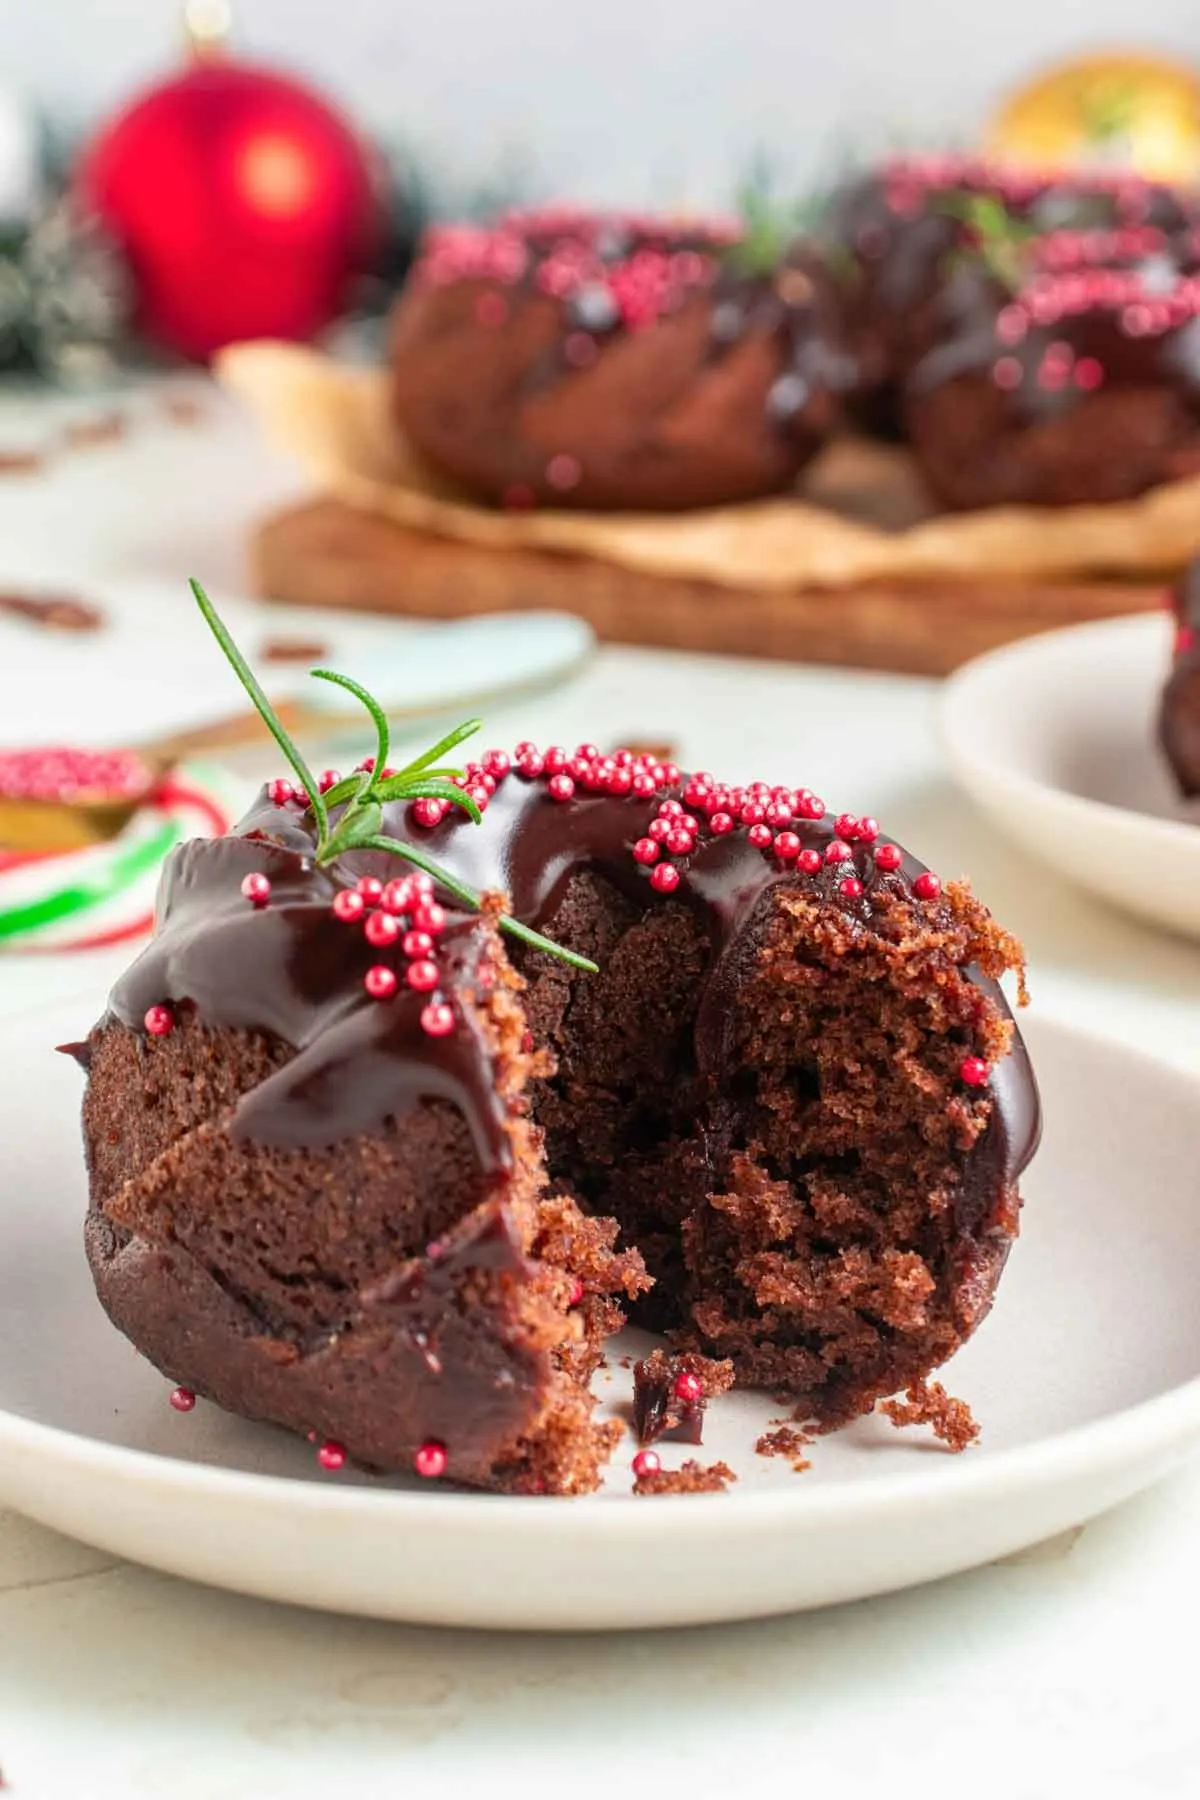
(328, 554)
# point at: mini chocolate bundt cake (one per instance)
(1179, 710)
(895, 238)
(361, 1159)
(570, 359)
(1078, 383)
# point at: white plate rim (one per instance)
(953, 726)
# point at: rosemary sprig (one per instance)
(994, 235)
(363, 794)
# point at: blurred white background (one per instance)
(626, 101)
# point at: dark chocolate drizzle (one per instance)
(293, 970)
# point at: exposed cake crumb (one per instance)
(928, 1403)
(785, 1440)
(691, 1478)
(670, 1394)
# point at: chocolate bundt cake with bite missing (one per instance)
(362, 1143)
(563, 358)
(1179, 708)
(897, 238)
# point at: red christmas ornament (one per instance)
(244, 203)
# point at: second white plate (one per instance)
(1055, 739)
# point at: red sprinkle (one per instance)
(645, 851)
(348, 905)
(646, 1462)
(664, 879)
(256, 888)
(430, 917)
(837, 852)
(974, 1071)
(280, 792)
(688, 1388)
(329, 779)
(850, 888)
(759, 835)
(380, 982)
(561, 787)
(371, 889)
(396, 896)
(159, 1021)
(417, 943)
(437, 1019)
(331, 1456)
(422, 975)
(428, 812)
(183, 1399)
(576, 1294)
(787, 846)
(927, 886)
(381, 929)
(680, 841)
(809, 861)
(430, 1460)
(888, 856)
(846, 826)
(720, 824)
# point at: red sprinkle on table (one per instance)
(183, 1400)
(646, 1462)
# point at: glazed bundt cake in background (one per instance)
(373, 1157)
(571, 359)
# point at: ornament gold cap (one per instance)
(206, 24)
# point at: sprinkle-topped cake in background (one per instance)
(1035, 336)
(384, 1153)
(563, 358)
(1179, 711)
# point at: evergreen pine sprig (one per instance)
(994, 235)
(362, 795)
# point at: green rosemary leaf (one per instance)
(356, 828)
(535, 939)
(382, 728)
(471, 897)
(263, 707)
(450, 742)
(421, 787)
(350, 788)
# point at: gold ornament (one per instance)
(1123, 111)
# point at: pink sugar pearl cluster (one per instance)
(402, 916)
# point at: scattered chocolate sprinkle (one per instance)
(692, 1478)
(786, 1441)
(657, 751)
(56, 612)
(928, 1403)
(659, 1410)
(183, 409)
(289, 650)
(100, 428)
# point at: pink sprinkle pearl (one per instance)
(927, 886)
(437, 1019)
(183, 1399)
(256, 888)
(422, 975)
(159, 1021)
(664, 879)
(974, 1071)
(430, 1460)
(348, 905)
(331, 1456)
(381, 929)
(380, 982)
(646, 1462)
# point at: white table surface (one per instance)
(1067, 1670)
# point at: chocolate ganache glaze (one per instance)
(293, 969)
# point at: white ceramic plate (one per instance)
(1055, 738)
(153, 668)
(1086, 1379)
